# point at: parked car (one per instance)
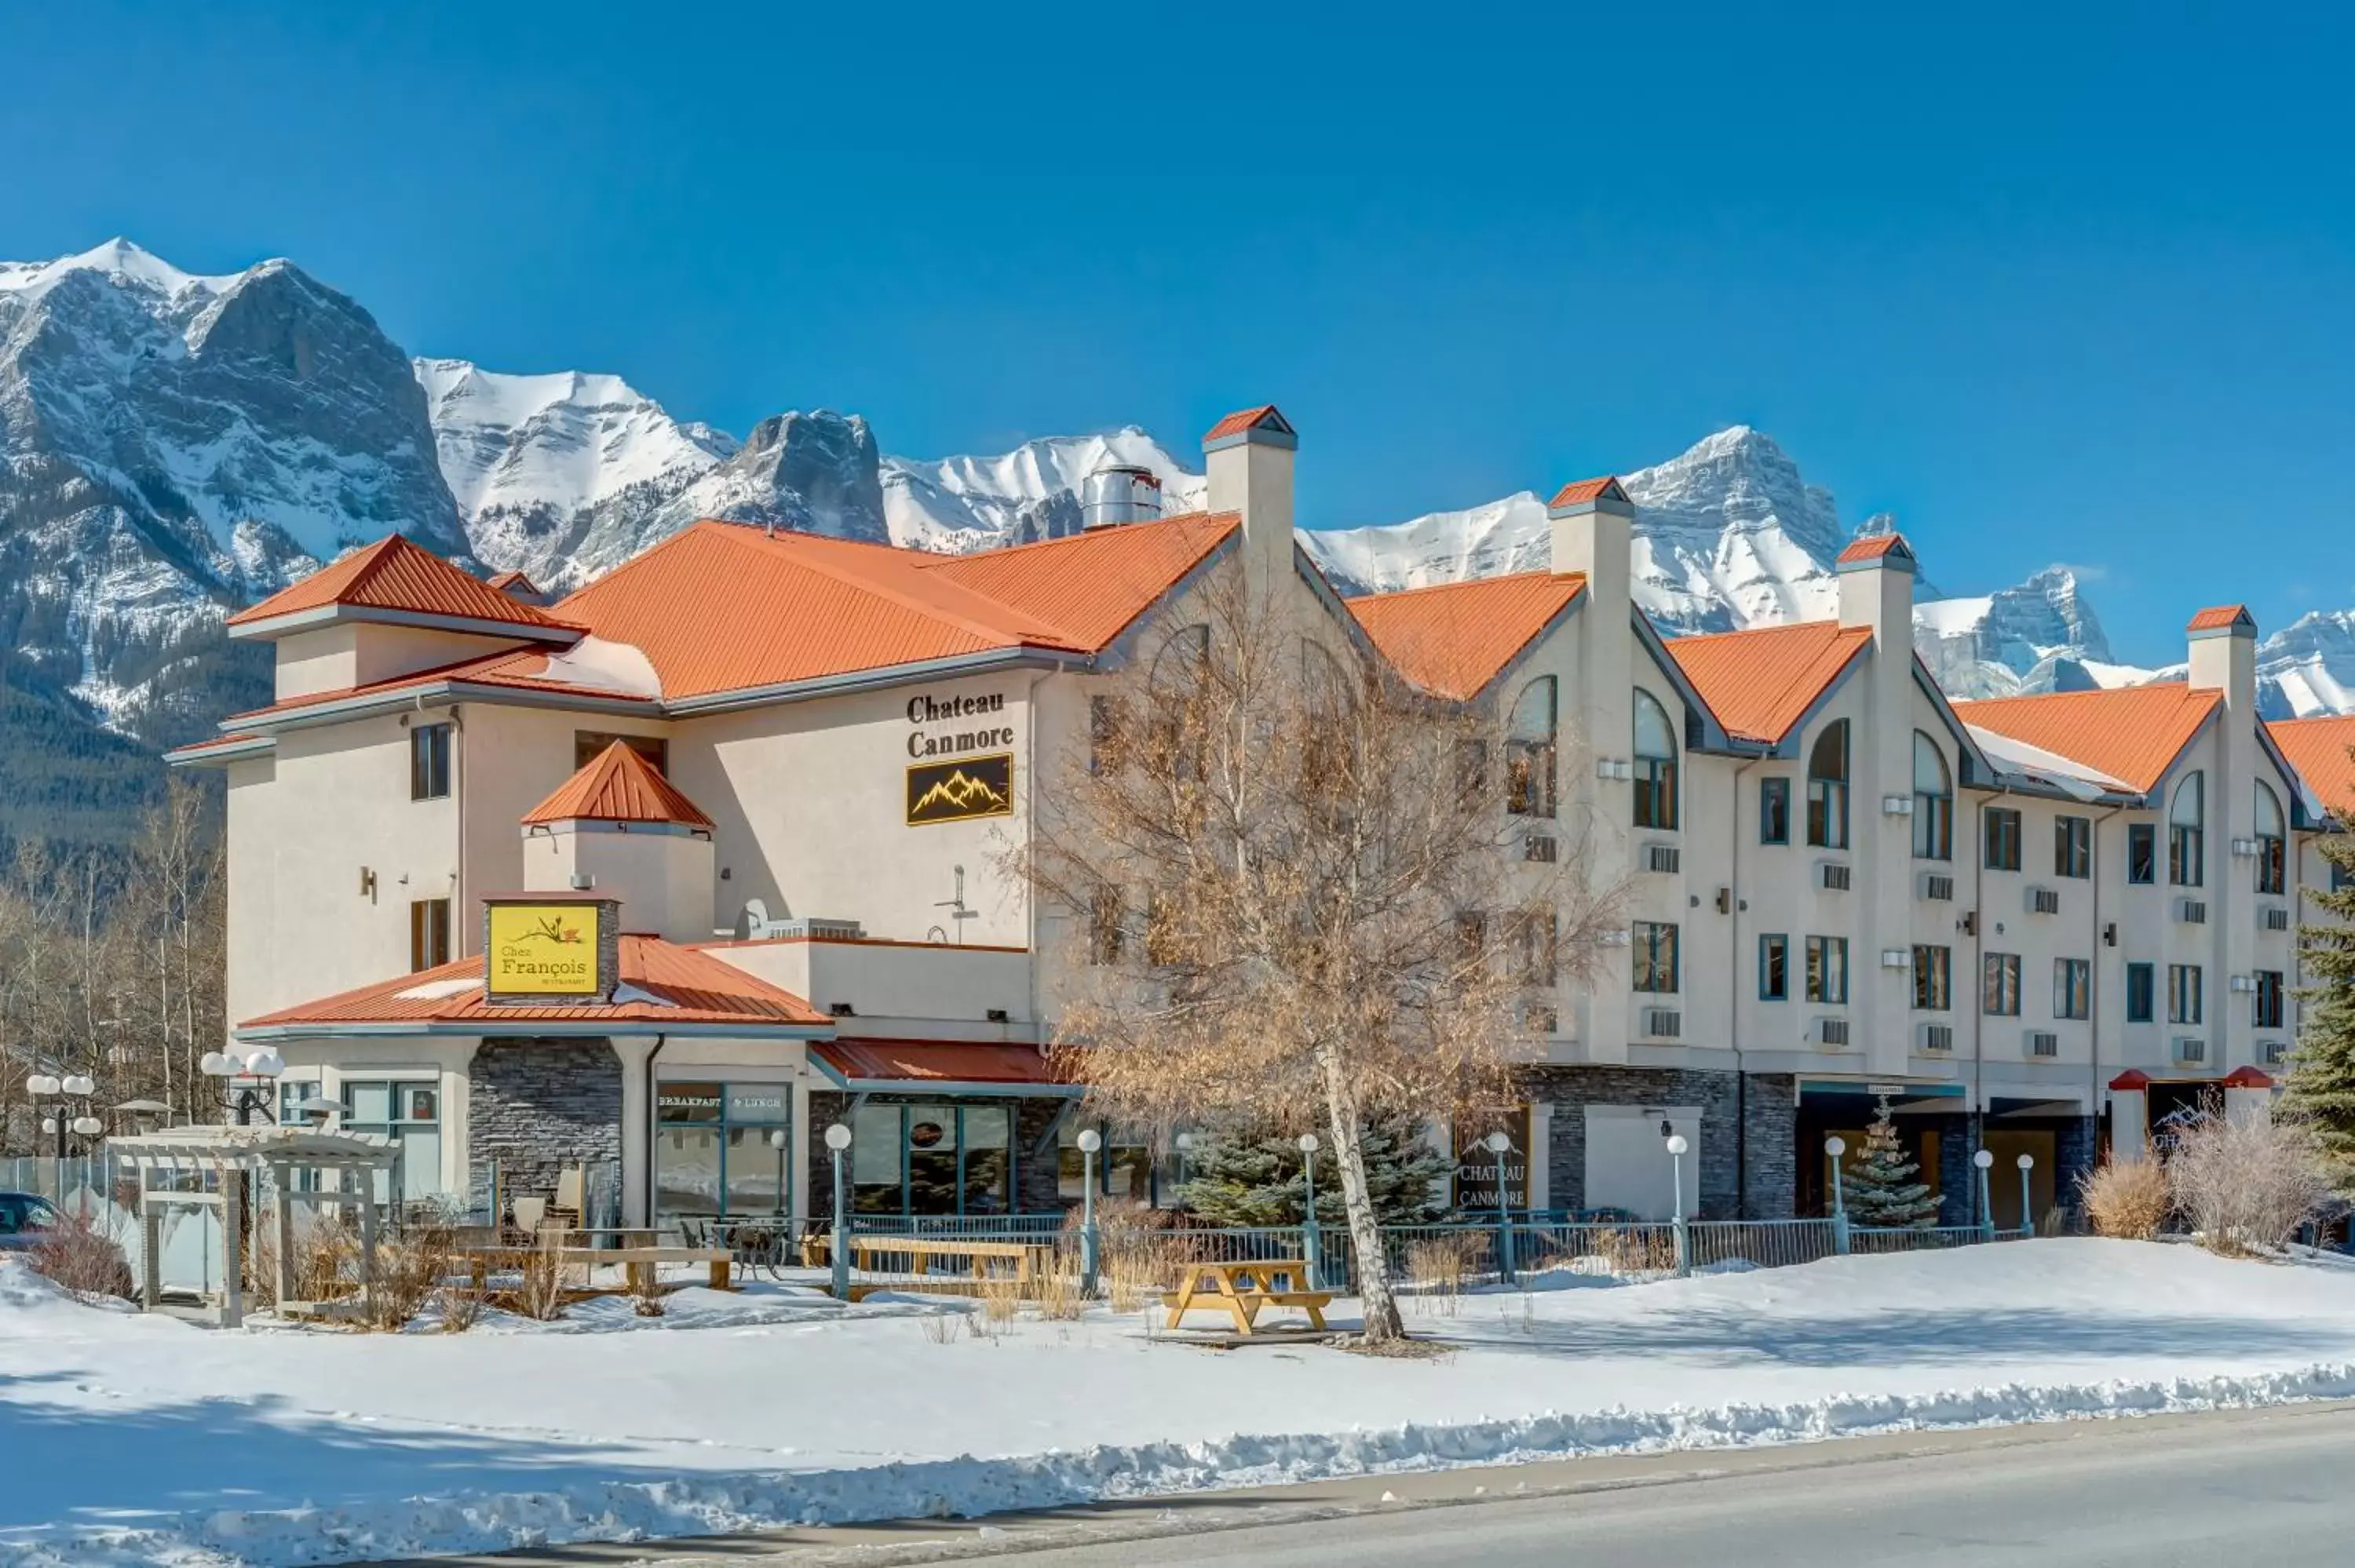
(26, 1217)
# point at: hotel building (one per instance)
(665, 877)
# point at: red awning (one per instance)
(873, 1066)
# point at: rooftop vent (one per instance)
(1117, 494)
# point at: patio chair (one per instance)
(530, 1214)
(572, 1183)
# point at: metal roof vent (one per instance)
(1117, 494)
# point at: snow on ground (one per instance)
(125, 1438)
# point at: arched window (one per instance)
(1529, 751)
(1827, 788)
(1655, 764)
(1933, 801)
(2272, 842)
(2186, 849)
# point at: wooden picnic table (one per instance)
(1030, 1259)
(1242, 1289)
(638, 1262)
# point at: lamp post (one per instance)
(246, 1097)
(1833, 1149)
(1677, 1148)
(59, 1119)
(2027, 1221)
(1311, 1248)
(837, 1139)
(1983, 1161)
(1497, 1143)
(777, 1141)
(1091, 1256)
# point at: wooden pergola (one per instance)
(219, 1159)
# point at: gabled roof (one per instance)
(2319, 749)
(1266, 416)
(1453, 640)
(393, 579)
(2224, 618)
(800, 608)
(523, 671)
(664, 986)
(2132, 733)
(1763, 682)
(514, 582)
(1874, 547)
(1579, 492)
(617, 785)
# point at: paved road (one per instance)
(2256, 1490)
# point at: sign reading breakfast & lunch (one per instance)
(543, 948)
(953, 725)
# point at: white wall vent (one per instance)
(2274, 917)
(1938, 1037)
(2191, 911)
(1663, 1022)
(2190, 1052)
(1539, 848)
(2044, 901)
(2273, 1053)
(1832, 875)
(1831, 1031)
(1938, 885)
(1662, 859)
(2044, 1042)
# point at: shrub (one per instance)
(2248, 1183)
(81, 1258)
(2126, 1199)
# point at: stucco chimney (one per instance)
(1248, 458)
(1876, 593)
(1876, 588)
(2225, 655)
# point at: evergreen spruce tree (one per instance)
(2321, 1084)
(1260, 1178)
(1878, 1189)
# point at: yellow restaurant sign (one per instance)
(549, 949)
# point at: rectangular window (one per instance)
(429, 933)
(2073, 846)
(1107, 927)
(1106, 727)
(2186, 857)
(2273, 865)
(588, 744)
(2183, 999)
(1656, 957)
(1827, 813)
(2073, 988)
(1773, 810)
(1534, 947)
(429, 762)
(2141, 988)
(2002, 838)
(2268, 998)
(2142, 852)
(408, 1112)
(1656, 793)
(1999, 985)
(1827, 969)
(1528, 778)
(1934, 826)
(1774, 968)
(1934, 978)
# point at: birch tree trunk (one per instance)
(1380, 1305)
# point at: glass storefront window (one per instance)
(407, 1111)
(1127, 1170)
(722, 1149)
(933, 1159)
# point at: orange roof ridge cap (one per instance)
(814, 561)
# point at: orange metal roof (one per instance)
(698, 987)
(2130, 733)
(1586, 489)
(617, 785)
(1874, 547)
(1761, 683)
(724, 607)
(520, 668)
(1243, 419)
(2320, 749)
(2217, 616)
(395, 575)
(919, 1061)
(1453, 639)
(507, 582)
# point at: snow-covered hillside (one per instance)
(1030, 494)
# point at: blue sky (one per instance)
(2054, 282)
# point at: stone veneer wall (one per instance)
(535, 1106)
(1958, 1179)
(1736, 1182)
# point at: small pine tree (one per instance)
(1878, 1189)
(2321, 1089)
(1260, 1179)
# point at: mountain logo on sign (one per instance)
(958, 791)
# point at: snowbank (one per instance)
(130, 1439)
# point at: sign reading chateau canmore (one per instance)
(542, 949)
(961, 791)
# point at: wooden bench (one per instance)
(1031, 1260)
(638, 1263)
(1243, 1289)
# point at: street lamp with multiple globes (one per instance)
(248, 1081)
(59, 1120)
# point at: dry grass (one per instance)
(2246, 1184)
(1001, 1296)
(1636, 1252)
(77, 1258)
(1439, 1268)
(1057, 1292)
(2127, 1200)
(540, 1293)
(410, 1266)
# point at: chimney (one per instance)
(1593, 533)
(1117, 494)
(1249, 456)
(1876, 588)
(2225, 655)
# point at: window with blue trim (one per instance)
(1773, 810)
(1774, 967)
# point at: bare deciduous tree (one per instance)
(1294, 894)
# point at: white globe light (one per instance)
(1498, 1142)
(88, 1126)
(1982, 1159)
(80, 1084)
(48, 1127)
(1308, 1144)
(1185, 1142)
(2027, 1162)
(1836, 1147)
(1091, 1140)
(837, 1137)
(1677, 1145)
(265, 1064)
(217, 1065)
(42, 1083)
(777, 1139)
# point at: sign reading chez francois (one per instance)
(943, 726)
(542, 949)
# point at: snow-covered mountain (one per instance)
(1030, 494)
